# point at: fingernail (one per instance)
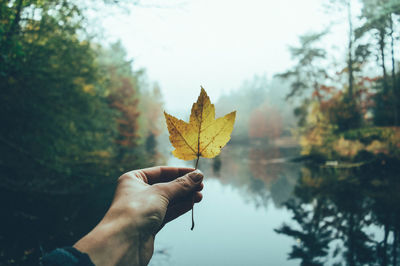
(196, 176)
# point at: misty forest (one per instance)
(311, 175)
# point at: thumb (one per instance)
(182, 186)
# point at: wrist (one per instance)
(107, 244)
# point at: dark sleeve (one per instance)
(66, 256)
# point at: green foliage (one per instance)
(367, 135)
(307, 74)
(301, 113)
(69, 107)
(71, 113)
(357, 145)
(387, 103)
(344, 113)
(334, 106)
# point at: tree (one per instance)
(69, 120)
(307, 73)
(71, 108)
(56, 118)
(347, 6)
(379, 21)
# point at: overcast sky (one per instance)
(214, 43)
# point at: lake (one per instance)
(259, 208)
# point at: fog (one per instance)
(216, 44)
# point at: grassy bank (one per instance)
(352, 145)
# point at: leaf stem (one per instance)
(197, 163)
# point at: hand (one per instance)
(145, 200)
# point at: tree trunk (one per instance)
(395, 243)
(382, 50)
(350, 51)
(385, 244)
(394, 88)
(351, 244)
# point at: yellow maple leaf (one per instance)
(203, 136)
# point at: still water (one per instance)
(241, 207)
(259, 208)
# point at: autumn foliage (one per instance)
(124, 100)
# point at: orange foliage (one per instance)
(327, 89)
(316, 94)
(123, 98)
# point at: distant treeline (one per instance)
(73, 112)
(363, 89)
(262, 112)
(344, 103)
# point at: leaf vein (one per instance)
(180, 134)
(225, 124)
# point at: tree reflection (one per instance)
(261, 168)
(346, 216)
(260, 171)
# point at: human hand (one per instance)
(145, 200)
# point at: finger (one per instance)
(200, 187)
(195, 197)
(161, 174)
(192, 196)
(182, 207)
(182, 186)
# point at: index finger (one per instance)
(162, 174)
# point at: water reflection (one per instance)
(346, 216)
(263, 173)
(259, 208)
(337, 215)
(34, 223)
(244, 192)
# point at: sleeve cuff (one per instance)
(66, 256)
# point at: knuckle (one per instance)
(141, 176)
(133, 175)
